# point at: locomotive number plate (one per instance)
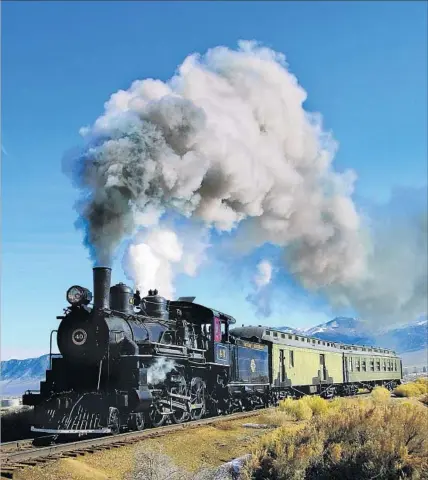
(221, 353)
(79, 336)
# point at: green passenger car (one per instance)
(300, 365)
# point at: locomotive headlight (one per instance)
(78, 295)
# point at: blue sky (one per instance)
(363, 64)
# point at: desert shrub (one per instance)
(423, 380)
(318, 405)
(275, 418)
(424, 399)
(380, 395)
(357, 439)
(412, 389)
(15, 425)
(297, 409)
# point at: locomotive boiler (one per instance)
(128, 361)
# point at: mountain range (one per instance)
(408, 338)
(409, 341)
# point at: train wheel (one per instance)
(180, 416)
(114, 420)
(155, 416)
(136, 422)
(197, 397)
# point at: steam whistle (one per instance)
(137, 298)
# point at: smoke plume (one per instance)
(260, 298)
(226, 142)
(225, 139)
(394, 289)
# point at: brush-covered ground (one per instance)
(378, 437)
(374, 437)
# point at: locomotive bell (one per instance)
(122, 298)
(155, 305)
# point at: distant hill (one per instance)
(410, 341)
(28, 368)
(17, 376)
(409, 338)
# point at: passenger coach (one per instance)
(300, 365)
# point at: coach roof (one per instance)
(302, 341)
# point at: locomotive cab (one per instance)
(208, 328)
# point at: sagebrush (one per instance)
(355, 439)
(412, 389)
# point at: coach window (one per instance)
(372, 365)
(291, 358)
(378, 365)
(282, 335)
(290, 337)
(357, 364)
(364, 366)
(351, 367)
(267, 332)
(384, 365)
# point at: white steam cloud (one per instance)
(226, 142)
(260, 298)
(155, 257)
(264, 274)
(158, 371)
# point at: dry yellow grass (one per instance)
(412, 389)
(189, 451)
(352, 438)
(208, 446)
(109, 464)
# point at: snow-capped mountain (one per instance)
(341, 329)
(28, 368)
(407, 338)
(17, 376)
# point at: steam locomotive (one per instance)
(128, 362)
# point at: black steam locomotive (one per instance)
(128, 361)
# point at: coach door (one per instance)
(322, 367)
(281, 366)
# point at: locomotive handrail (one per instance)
(50, 349)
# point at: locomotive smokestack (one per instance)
(102, 280)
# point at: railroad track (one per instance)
(18, 455)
